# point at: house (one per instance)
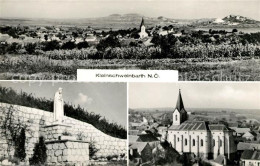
(250, 158)
(163, 149)
(141, 150)
(134, 125)
(132, 138)
(135, 132)
(241, 146)
(240, 131)
(150, 138)
(250, 136)
(220, 160)
(163, 131)
(91, 38)
(4, 37)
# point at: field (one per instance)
(24, 67)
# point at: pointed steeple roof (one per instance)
(142, 23)
(179, 104)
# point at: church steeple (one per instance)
(179, 114)
(179, 104)
(142, 23)
(142, 32)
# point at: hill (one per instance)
(239, 19)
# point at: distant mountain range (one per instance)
(118, 21)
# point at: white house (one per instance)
(250, 158)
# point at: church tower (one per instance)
(179, 114)
(142, 32)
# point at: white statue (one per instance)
(58, 109)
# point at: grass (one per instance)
(38, 67)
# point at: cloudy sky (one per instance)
(186, 9)
(195, 95)
(107, 99)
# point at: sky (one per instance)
(107, 99)
(178, 9)
(195, 95)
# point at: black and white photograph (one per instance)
(63, 123)
(194, 124)
(205, 40)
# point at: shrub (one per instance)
(20, 147)
(92, 149)
(40, 153)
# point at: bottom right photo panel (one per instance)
(194, 124)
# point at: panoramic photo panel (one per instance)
(187, 124)
(63, 123)
(204, 40)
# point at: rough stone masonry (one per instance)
(37, 119)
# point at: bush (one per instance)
(39, 155)
(92, 149)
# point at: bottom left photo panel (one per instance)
(63, 123)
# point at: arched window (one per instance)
(176, 117)
(186, 142)
(213, 142)
(201, 142)
(220, 143)
(193, 142)
(178, 139)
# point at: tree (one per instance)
(52, 45)
(20, 147)
(68, 46)
(39, 155)
(234, 30)
(30, 48)
(110, 41)
(82, 45)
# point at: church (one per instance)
(142, 32)
(199, 137)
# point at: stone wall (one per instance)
(37, 119)
(67, 152)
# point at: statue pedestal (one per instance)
(58, 131)
(67, 152)
(63, 148)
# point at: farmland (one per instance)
(221, 69)
(41, 51)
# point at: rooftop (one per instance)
(251, 155)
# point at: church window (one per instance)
(178, 139)
(213, 142)
(193, 142)
(176, 117)
(201, 142)
(186, 142)
(220, 143)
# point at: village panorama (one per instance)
(183, 136)
(218, 49)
